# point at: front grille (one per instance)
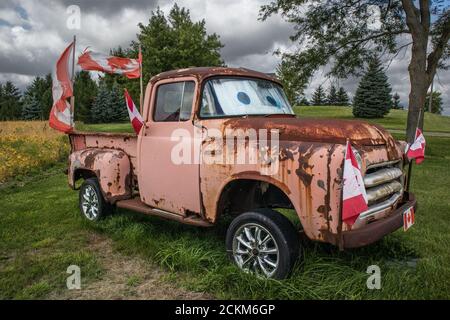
(384, 186)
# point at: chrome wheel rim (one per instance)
(255, 250)
(90, 203)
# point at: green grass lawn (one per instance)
(41, 233)
(105, 127)
(396, 119)
(40, 236)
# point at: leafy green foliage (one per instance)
(293, 87)
(10, 102)
(396, 101)
(324, 31)
(170, 42)
(373, 96)
(436, 103)
(319, 98)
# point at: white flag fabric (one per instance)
(60, 117)
(135, 117)
(354, 199)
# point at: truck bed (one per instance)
(126, 142)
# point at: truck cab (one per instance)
(225, 142)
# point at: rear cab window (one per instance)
(174, 101)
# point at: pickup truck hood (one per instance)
(317, 130)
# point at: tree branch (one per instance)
(373, 37)
(412, 20)
(399, 49)
(436, 54)
(425, 14)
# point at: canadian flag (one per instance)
(99, 62)
(408, 219)
(135, 117)
(417, 149)
(354, 200)
(60, 115)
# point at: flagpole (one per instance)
(141, 97)
(408, 179)
(72, 98)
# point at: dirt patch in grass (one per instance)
(126, 277)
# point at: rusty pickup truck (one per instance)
(193, 162)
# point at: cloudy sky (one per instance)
(34, 33)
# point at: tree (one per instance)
(436, 103)
(342, 97)
(291, 84)
(85, 90)
(40, 90)
(10, 102)
(32, 109)
(332, 96)
(46, 96)
(348, 33)
(170, 42)
(109, 105)
(318, 98)
(373, 96)
(396, 101)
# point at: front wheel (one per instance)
(263, 242)
(92, 204)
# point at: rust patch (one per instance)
(305, 151)
(321, 184)
(327, 198)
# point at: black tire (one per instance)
(285, 240)
(90, 196)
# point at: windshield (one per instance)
(242, 96)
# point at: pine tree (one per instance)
(373, 96)
(85, 90)
(46, 96)
(41, 91)
(332, 96)
(396, 101)
(342, 97)
(10, 102)
(109, 105)
(119, 111)
(32, 109)
(318, 98)
(100, 104)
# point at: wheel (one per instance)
(263, 242)
(92, 204)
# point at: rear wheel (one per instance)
(263, 242)
(92, 204)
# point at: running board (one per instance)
(137, 205)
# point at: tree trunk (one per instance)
(419, 86)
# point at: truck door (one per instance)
(168, 165)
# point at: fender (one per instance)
(111, 167)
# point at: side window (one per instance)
(174, 101)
